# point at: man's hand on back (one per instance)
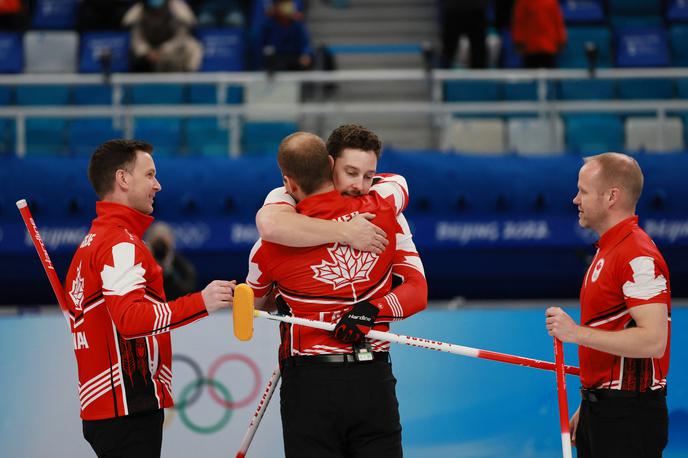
(363, 235)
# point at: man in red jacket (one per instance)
(119, 317)
(623, 338)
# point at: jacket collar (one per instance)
(121, 215)
(617, 233)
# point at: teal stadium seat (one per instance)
(45, 136)
(635, 7)
(206, 94)
(204, 136)
(573, 55)
(86, 134)
(92, 94)
(6, 95)
(594, 133)
(165, 134)
(646, 88)
(590, 89)
(525, 91)
(264, 137)
(157, 94)
(678, 37)
(43, 95)
(7, 132)
(471, 91)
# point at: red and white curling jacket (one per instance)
(119, 318)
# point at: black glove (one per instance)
(355, 324)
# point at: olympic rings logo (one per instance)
(218, 392)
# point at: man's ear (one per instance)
(331, 160)
(290, 185)
(121, 179)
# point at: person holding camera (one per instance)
(179, 275)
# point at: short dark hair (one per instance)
(353, 136)
(110, 157)
(302, 156)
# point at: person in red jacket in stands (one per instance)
(119, 316)
(538, 31)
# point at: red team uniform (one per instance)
(334, 404)
(627, 271)
(405, 300)
(120, 320)
(623, 412)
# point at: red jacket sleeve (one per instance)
(411, 296)
(130, 278)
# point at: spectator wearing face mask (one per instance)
(161, 39)
(284, 38)
(179, 275)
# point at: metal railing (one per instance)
(123, 114)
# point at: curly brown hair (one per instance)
(353, 136)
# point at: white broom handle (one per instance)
(426, 343)
(258, 414)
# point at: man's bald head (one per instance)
(303, 157)
(616, 170)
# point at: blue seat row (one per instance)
(639, 43)
(101, 94)
(206, 136)
(224, 50)
(597, 11)
(590, 89)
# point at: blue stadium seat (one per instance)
(682, 89)
(6, 95)
(264, 137)
(509, 57)
(204, 136)
(618, 22)
(43, 95)
(594, 133)
(635, 7)
(45, 136)
(642, 47)
(11, 53)
(679, 45)
(207, 94)
(223, 49)
(92, 94)
(165, 134)
(647, 88)
(7, 131)
(677, 11)
(157, 94)
(471, 91)
(582, 11)
(54, 14)
(93, 45)
(86, 134)
(591, 89)
(525, 91)
(573, 55)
